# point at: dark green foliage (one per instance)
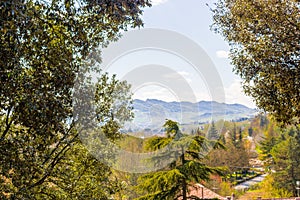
(280, 149)
(266, 146)
(286, 158)
(43, 44)
(263, 120)
(250, 131)
(171, 127)
(38, 166)
(240, 134)
(234, 134)
(213, 133)
(185, 153)
(265, 47)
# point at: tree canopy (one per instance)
(186, 167)
(43, 46)
(280, 150)
(264, 37)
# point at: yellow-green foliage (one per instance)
(264, 39)
(131, 144)
(266, 189)
(156, 142)
(226, 189)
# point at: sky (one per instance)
(183, 18)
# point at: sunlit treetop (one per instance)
(264, 37)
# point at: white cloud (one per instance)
(158, 2)
(183, 73)
(222, 54)
(179, 77)
(154, 92)
(186, 75)
(234, 94)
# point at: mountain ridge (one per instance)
(151, 113)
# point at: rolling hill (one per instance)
(150, 114)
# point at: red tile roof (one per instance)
(196, 190)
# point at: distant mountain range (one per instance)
(150, 115)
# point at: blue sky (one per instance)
(191, 18)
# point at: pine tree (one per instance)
(213, 133)
(240, 134)
(186, 153)
(286, 156)
(234, 134)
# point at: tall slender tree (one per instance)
(213, 133)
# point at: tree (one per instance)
(213, 133)
(264, 37)
(185, 153)
(250, 131)
(280, 149)
(234, 134)
(286, 156)
(240, 134)
(79, 176)
(233, 156)
(270, 139)
(44, 47)
(266, 190)
(58, 166)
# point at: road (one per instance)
(247, 184)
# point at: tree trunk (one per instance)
(184, 185)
